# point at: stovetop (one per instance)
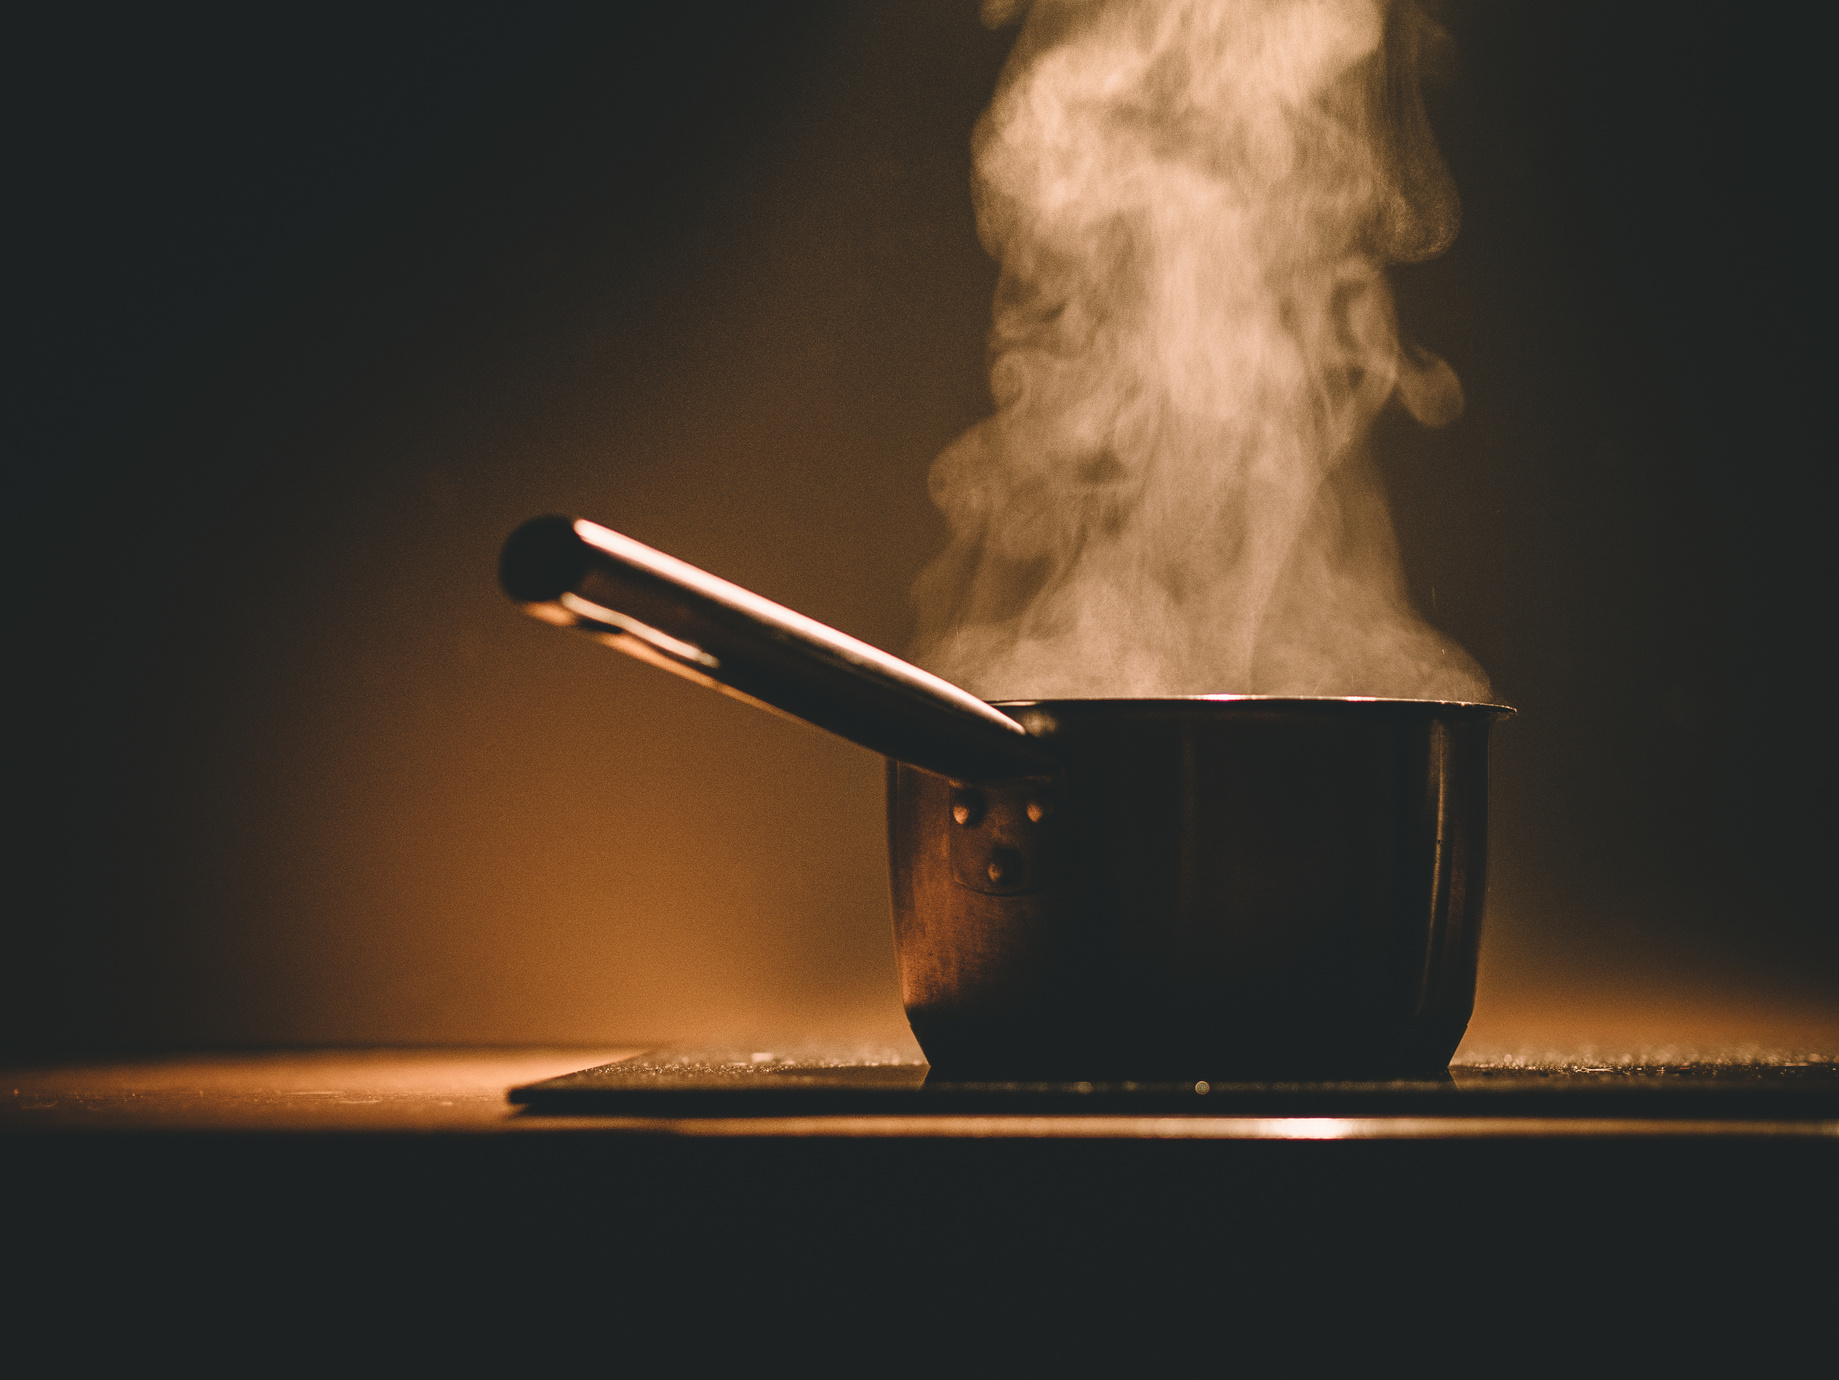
(1779, 1097)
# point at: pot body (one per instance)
(1210, 888)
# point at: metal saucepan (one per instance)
(1194, 887)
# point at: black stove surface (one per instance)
(1789, 1097)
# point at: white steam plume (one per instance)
(1193, 202)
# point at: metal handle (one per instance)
(578, 574)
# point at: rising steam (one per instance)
(1193, 202)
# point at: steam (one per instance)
(1193, 202)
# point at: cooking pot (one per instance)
(1211, 886)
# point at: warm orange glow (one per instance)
(464, 1090)
(403, 813)
(305, 1090)
(1525, 1014)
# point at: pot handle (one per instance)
(578, 574)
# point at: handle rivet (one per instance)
(1005, 866)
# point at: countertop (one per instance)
(855, 1093)
(304, 1189)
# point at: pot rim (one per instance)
(1272, 701)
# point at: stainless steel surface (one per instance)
(664, 611)
(1191, 887)
(1253, 887)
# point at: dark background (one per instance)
(316, 304)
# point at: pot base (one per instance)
(1024, 1048)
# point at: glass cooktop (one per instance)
(689, 1083)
